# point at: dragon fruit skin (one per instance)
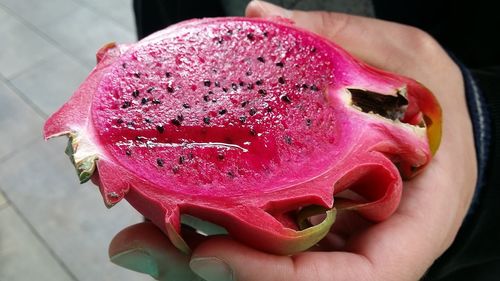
(249, 124)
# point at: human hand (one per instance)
(400, 248)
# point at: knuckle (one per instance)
(333, 24)
(422, 42)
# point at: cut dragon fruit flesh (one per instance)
(248, 124)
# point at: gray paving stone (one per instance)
(51, 82)
(22, 256)
(82, 32)
(119, 10)
(21, 47)
(3, 200)
(70, 217)
(19, 124)
(39, 12)
(6, 19)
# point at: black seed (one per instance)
(160, 129)
(259, 82)
(182, 159)
(248, 73)
(207, 83)
(119, 121)
(130, 123)
(265, 33)
(243, 119)
(314, 88)
(304, 86)
(220, 156)
(128, 152)
(231, 174)
(210, 92)
(147, 120)
(308, 122)
(214, 100)
(225, 90)
(250, 36)
(144, 100)
(252, 111)
(234, 86)
(285, 98)
(245, 103)
(222, 111)
(269, 109)
(214, 71)
(185, 105)
(262, 92)
(135, 93)
(180, 117)
(206, 98)
(220, 40)
(126, 104)
(150, 89)
(242, 83)
(281, 80)
(261, 59)
(170, 89)
(124, 65)
(217, 84)
(253, 132)
(230, 31)
(175, 122)
(288, 139)
(206, 120)
(175, 169)
(280, 64)
(155, 101)
(137, 75)
(313, 50)
(167, 74)
(159, 162)
(250, 86)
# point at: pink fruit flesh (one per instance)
(243, 123)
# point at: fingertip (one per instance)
(133, 236)
(262, 9)
(145, 248)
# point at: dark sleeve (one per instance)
(153, 15)
(468, 28)
(475, 253)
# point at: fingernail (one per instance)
(137, 260)
(269, 9)
(211, 269)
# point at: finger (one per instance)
(144, 248)
(374, 41)
(222, 259)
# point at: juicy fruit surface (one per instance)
(239, 108)
(250, 124)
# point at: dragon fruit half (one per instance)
(251, 124)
